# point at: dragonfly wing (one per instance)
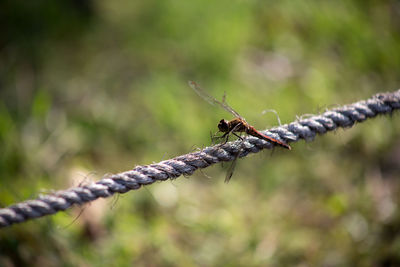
(203, 94)
(231, 168)
(228, 108)
(212, 100)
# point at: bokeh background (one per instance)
(89, 88)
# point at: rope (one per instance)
(345, 116)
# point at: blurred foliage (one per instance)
(95, 87)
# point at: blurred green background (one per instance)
(95, 87)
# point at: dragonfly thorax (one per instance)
(223, 126)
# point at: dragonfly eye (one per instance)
(223, 126)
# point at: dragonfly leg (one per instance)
(232, 131)
(238, 136)
(226, 136)
(214, 137)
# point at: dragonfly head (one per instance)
(223, 126)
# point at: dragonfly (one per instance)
(234, 126)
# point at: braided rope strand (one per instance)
(307, 129)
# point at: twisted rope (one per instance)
(345, 116)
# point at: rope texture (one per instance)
(345, 116)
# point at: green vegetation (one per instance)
(95, 87)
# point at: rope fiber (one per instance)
(341, 117)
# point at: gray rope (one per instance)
(307, 129)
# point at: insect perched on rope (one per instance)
(234, 126)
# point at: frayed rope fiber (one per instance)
(345, 116)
